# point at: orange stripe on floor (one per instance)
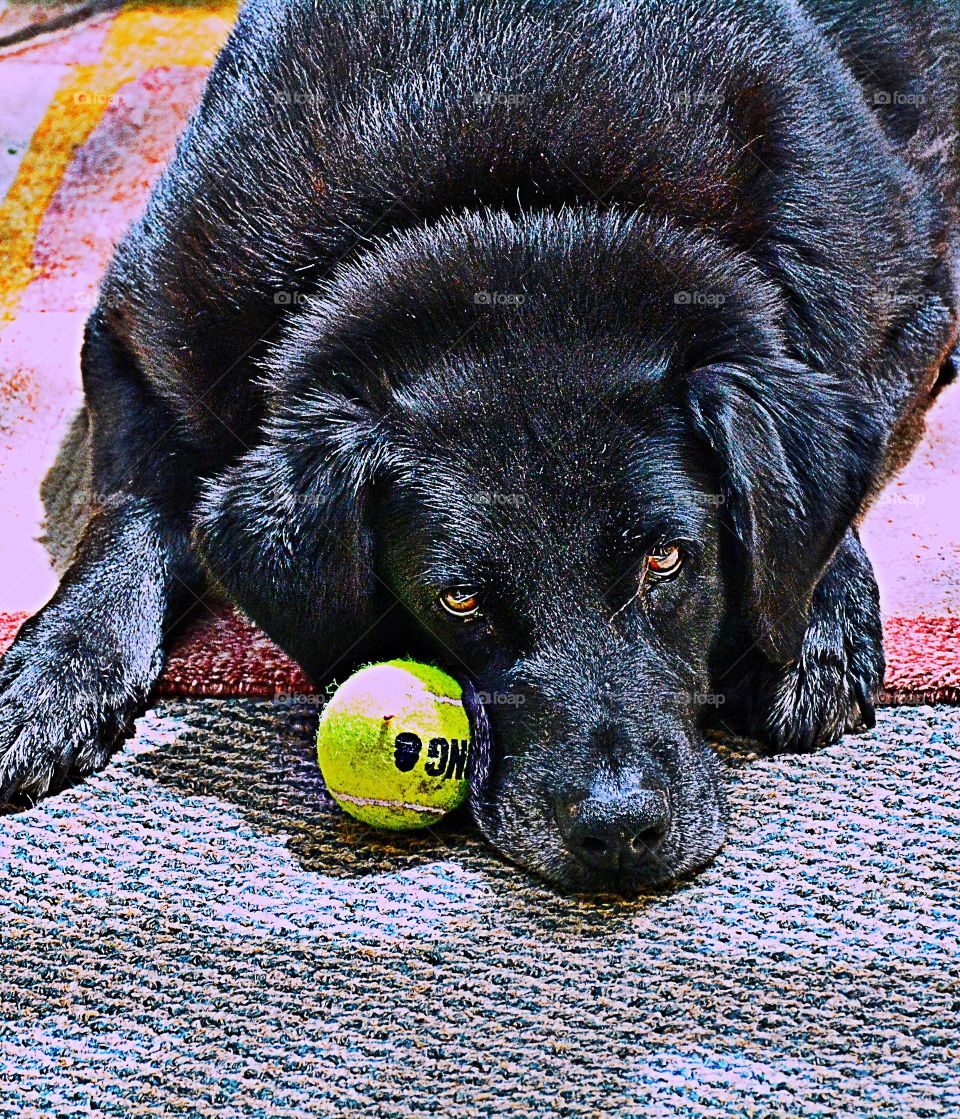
(140, 37)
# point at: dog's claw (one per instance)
(63, 767)
(868, 712)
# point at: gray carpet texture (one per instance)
(198, 931)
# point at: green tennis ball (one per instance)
(393, 744)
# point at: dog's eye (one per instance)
(664, 561)
(460, 601)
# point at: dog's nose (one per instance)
(613, 830)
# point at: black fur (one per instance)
(507, 293)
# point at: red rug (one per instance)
(89, 116)
(225, 655)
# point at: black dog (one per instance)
(563, 343)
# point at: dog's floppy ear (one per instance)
(796, 455)
(285, 532)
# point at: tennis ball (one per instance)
(393, 744)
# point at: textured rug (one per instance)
(88, 116)
(197, 931)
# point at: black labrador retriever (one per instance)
(563, 343)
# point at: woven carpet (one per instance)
(196, 931)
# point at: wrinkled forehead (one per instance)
(566, 414)
(507, 483)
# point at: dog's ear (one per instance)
(285, 531)
(797, 455)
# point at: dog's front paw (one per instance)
(63, 710)
(829, 692)
(832, 688)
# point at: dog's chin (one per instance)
(548, 861)
(521, 827)
(533, 842)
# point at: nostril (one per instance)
(648, 839)
(614, 833)
(594, 845)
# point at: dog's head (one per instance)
(563, 456)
